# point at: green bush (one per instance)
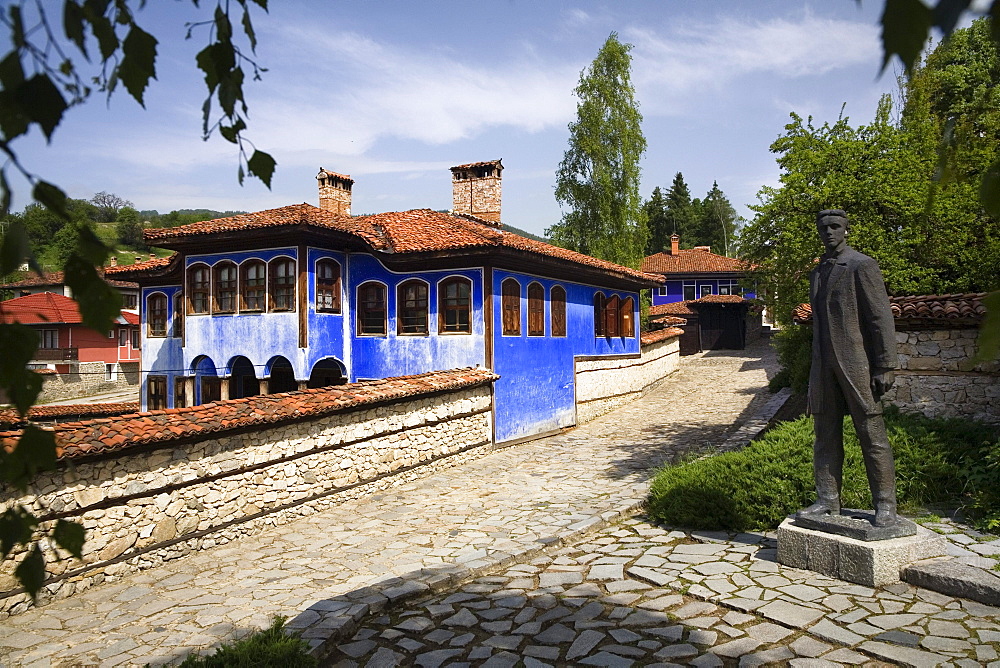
(794, 348)
(270, 648)
(949, 462)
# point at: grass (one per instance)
(950, 463)
(271, 648)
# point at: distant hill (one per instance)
(523, 233)
(184, 216)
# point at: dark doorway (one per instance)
(282, 377)
(326, 373)
(242, 379)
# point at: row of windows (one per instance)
(510, 303)
(614, 316)
(413, 307)
(695, 291)
(49, 339)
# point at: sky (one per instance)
(395, 93)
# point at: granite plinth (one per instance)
(873, 563)
(858, 524)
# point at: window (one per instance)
(455, 306)
(371, 309)
(411, 307)
(599, 314)
(688, 291)
(225, 288)
(253, 286)
(557, 304)
(135, 338)
(50, 339)
(109, 372)
(510, 301)
(180, 393)
(156, 314)
(130, 302)
(199, 283)
(283, 284)
(328, 286)
(611, 316)
(662, 291)
(122, 337)
(725, 289)
(536, 310)
(178, 315)
(627, 318)
(156, 397)
(705, 289)
(211, 389)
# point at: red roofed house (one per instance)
(81, 361)
(52, 281)
(695, 273)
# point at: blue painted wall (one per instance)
(160, 355)
(675, 289)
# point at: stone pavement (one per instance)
(510, 503)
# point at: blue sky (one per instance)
(394, 93)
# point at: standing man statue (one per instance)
(853, 357)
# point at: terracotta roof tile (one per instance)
(668, 320)
(57, 278)
(486, 163)
(965, 308)
(40, 308)
(146, 267)
(684, 308)
(720, 299)
(327, 172)
(695, 261)
(10, 417)
(77, 439)
(649, 338)
(674, 308)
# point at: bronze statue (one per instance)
(853, 357)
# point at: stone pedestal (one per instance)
(872, 563)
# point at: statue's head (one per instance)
(832, 226)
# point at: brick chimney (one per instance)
(334, 191)
(476, 190)
(675, 244)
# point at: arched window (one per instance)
(156, 314)
(371, 309)
(253, 285)
(455, 306)
(557, 304)
(411, 307)
(536, 309)
(599, 314)
(225, 287)
(283, 284)
(510, 302)
(199, 287)
(611, 316)
(627, 318)
(328, 286)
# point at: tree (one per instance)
(128, 226)
(717, 223)
(682, 216)
(657, 223)
(598, 178)
(108, 205)
(42, 77)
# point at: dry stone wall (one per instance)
(143, 506)
(604, 384)
(940, 377)
(88, 380)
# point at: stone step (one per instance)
(951, 577)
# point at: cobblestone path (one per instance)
(614, 599)
(506, 503)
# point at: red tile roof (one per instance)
(486, 163)
(140, 268)
(965, 308)
(50, 308)
(396, 232)
(10, 417)
(649, 338)
(78, 439)
(669, 320)
(694, 261)
(720, 299)
(674, 309)
(56, 278)
(327, 172)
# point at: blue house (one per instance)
(695, 273)
(304, 296)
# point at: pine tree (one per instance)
(681, 213)
(598, 178)
(657, 223)
(718, 220)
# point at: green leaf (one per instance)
(262, 166)
(16, 525)
(35, 452)
(905, 25)
(248, 29)
(70, 537)
(31, 571)
(231, 91)
(52, 197)
(99, 303)
(947, 13)
(21, 384)
(989, 190)
(138, 64)
(73, 19)
(43, 102)
(16, 27)
(104, 31)
(15, 244)
(214, 60)
(989, 332)
(231, 132)
(223, 28)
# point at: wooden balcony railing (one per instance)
(57, 354)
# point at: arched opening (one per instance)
(208, 385)
(242, 379)
(282, 376)
(325, 373)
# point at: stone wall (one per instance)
(603, 384)
(480, 197)
(144, 505)
(939, 377)
(88, 380)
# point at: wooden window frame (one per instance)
(199, 292)
(626, 317)
(177, 326)
(180, 392)
(324, 286)
(557, 310)
(156, 401)
(225, 290)
(136, 341)
(510, 307)
(259, 301)
(156, 318)
(694, 291)
(48, 336)
(536, 309)
(611, 310)
(367, 313)
(282, 292)
(420, 313)
(454, 310)
(599, 318)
